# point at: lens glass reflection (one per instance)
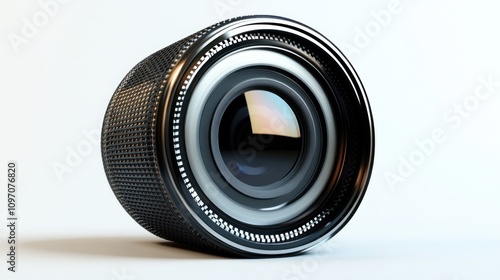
(259, 138)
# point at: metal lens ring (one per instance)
(261, 137)
(202, 92)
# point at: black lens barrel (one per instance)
(252, 137)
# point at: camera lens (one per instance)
(252, 137)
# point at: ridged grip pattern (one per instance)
(129, 151)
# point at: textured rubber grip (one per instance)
(129, 151)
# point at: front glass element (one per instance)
(271, 115)
(260, 139)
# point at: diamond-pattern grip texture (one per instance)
(129, 148)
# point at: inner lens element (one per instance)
(300, 155)
(260, 140)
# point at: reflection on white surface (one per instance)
(147, 257)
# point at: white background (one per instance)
(441, 220)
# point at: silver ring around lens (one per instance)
(217, 72)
